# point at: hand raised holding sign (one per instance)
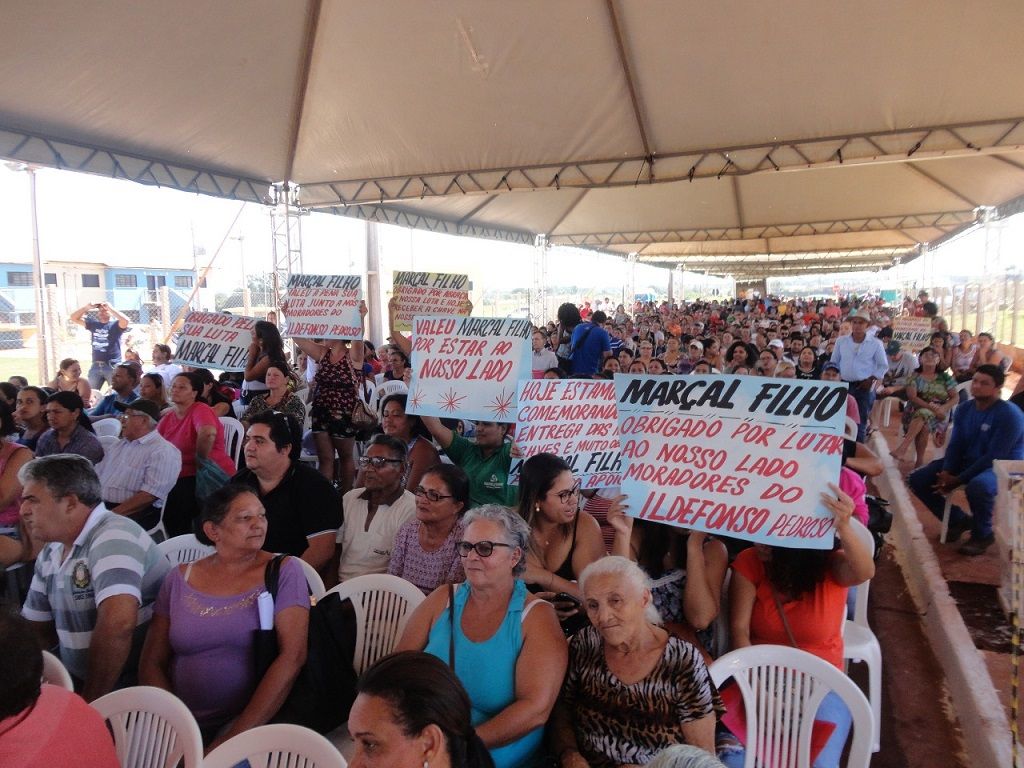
(854, 563)
(617, 517)
(840, 505)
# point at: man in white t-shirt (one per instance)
(374, 513)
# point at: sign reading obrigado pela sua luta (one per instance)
(739, 456)
(574, 419)
(428, 293)
(215, 340)
(468, 367)
(324, 306)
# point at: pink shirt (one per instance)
(59, 729)
(853, 486)
(182, 433)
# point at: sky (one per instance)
(122, 223)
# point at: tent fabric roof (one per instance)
(678, 130)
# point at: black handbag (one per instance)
(325, 688)
(264, 641)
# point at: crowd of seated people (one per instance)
(545, 608)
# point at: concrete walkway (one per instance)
(971, 658)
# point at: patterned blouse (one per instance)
(427, 570)
(291, 404)
(619, 724)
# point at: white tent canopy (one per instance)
(708, 134)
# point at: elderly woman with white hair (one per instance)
(632, 689)
(504, 644)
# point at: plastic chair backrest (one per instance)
(55, 673)
(108, 440)
(152, 728)
(316, 584)
(780, 685)
(851, 429)
(860, 610)
(234, 434)
(382, 603)
(279, 745)
(111, 427)
(184, 549)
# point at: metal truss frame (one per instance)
(763, 265)
(286, 236)
(36, 149)
(404, 218)
(945, 221)
(900, 145)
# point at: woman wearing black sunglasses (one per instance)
(504, 644)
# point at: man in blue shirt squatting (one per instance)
(985, 429)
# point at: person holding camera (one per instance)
(105, 332)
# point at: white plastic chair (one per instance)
(152, 728)
(948, 507)
(184, 549)
(55, 673)
(107, 441)
(782, 688)
(851, 429)
(110, 427)
(279, 745)
(316, 584)
(860, 643)
(234, 434)
(885, 406)
(382, 603)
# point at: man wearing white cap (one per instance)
(862, 362)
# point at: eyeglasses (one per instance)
(377, 461)
(564, 496)
(483, 548)
(430, 495)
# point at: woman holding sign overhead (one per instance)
(797, 597)
(338, 379)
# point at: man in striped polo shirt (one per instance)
(95, 580)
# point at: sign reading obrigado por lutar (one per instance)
(428, 293)
(215, 340)
(573, 419)
(468, 367)
(324, 306)
(739, 456)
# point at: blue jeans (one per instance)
(980, 491)
(865, 401)
(101, 371)
(832, 710)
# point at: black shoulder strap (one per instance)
(582, 341)
(271, 574)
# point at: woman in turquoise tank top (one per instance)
(505, 645)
